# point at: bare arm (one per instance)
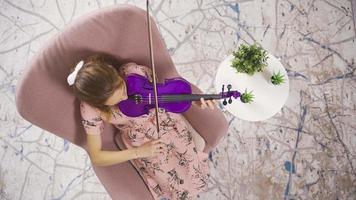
(106, 158)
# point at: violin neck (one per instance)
(190, 97)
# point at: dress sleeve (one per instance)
(91, 120)
(132, 67)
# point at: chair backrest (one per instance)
(43, 95)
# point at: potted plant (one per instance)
(277, 78)
(249, 59)
(247, 97)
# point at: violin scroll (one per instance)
(228, 94)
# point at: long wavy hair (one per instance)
(97, 80)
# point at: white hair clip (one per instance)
(73, 75)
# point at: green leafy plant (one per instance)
(277, 78)
(247, 97)
(249, 59)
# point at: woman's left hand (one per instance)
(205, 103)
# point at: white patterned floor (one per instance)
(306, 151)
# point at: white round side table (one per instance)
(268, 98)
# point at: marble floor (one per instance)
(305, 151)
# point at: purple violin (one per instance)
(174, 95)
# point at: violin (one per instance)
(174, 95)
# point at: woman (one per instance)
(173, 165)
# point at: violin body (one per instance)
(174, 95)
(141, 95)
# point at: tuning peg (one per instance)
(223, 86)
(229, 87)
(225, 102)
(230, 100)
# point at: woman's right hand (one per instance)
(151, 148)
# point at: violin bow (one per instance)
(152, 64)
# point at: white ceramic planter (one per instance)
(268, 98)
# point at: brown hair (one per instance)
(97, 80)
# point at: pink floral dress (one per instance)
(181, 172)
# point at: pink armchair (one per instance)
(44, 98)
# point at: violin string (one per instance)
(162, 99)
(173, 97)
(170, 98)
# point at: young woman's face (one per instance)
(119, 95)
